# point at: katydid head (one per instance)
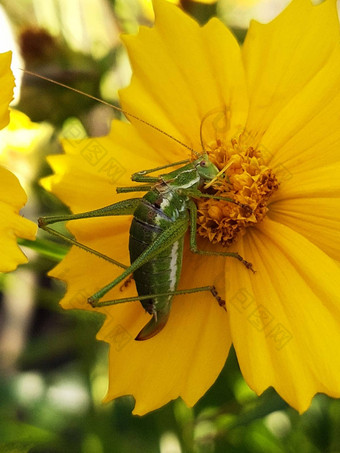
(205, 168)
(191, 176)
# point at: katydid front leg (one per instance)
(198, 194)
(141, 176)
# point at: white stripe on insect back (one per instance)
(191, 181)
(166, 201)
(173, 266)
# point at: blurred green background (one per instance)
(53, 371)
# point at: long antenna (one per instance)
(127, 114)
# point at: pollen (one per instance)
(245, 178)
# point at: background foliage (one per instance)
(53, 372)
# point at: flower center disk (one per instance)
(247, 180)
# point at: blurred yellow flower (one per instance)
(278, 144)
(148, 9)
(239, 13)
(20, 145)
(12, 196)
(7, 85)
(21, 134)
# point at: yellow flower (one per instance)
(278, 143)
(12, 196)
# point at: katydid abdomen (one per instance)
(157, 211)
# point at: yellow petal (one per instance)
(184, 359)
(317, 219)
(12, 225)
(310, 137)
(315, 183)
(284, 55)
(285, 319)
(308, 202)
(7, 85)
(178, 104)
(229, 78)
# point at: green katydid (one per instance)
(161, 219)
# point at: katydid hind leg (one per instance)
(78, 244)
(160, 318)
(179, 292)
(125, 207)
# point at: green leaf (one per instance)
(50, 249)
(16, 447)
(20, 437)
